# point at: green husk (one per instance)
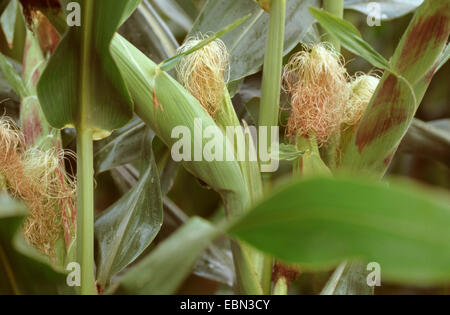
(163, 104)
(415, 60)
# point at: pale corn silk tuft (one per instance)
(362, 87)
(204, 73)
(316, 81)
(37, 178)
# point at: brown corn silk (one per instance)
(38, 178)
(316, 81)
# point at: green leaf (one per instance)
(390, 112)
(128, 227)
(174, 12)
(349, 37)
(146, 30)
(22, 269)
(163, 270)
(191, 7)
(91, 91)
(12, 77)
(121, 148)
(247, 43)
(389, 9)
(13, 27)
(320, 222)
(349, 278)
(8, 21)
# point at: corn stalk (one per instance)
(95, 100)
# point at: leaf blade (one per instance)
(349, 37)
(401, 227)
(128, 227)
(83, 70)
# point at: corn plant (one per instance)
(105, 186)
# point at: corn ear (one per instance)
(164, 104)
(398, 95)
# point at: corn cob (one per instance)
(164, 104)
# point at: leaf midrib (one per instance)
(84, 86)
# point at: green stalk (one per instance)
(335, 7)
(270, 99)
(85, 215)
(85, 173)
(253, 268)
(273, 63)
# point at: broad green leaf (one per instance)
(390, 112)
(164, 269)
(8, 21)
(388, 9)
(320, 222)
(191, 7)
(349, 278)
(126, 229)
(247, 43)
(149, 33)
(216, 263)
(175, 13)
(22, 270)
(122, 147)
(349, 37)
(85, 75)
(428, 140)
